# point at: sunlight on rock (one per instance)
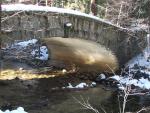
(10, 74)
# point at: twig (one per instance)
(8, 17)
(143, 109)
(87, 105)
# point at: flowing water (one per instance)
(45, 95)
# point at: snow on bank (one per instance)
(141, 80)
(142, 83)
(18, 110)
(23, 7)
(40, 53)
(139, 70)
(142, 60)
(80, 86)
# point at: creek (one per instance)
(46, 95)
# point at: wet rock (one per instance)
(100, 78)
(17, 78)
(136, 66)
(139, 74)
(83, 77)
(93, 84)
(7, 106)
(112, 83)
(145, 75)
(3, 83)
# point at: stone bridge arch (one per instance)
(24, 24)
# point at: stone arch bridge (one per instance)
(36, 22)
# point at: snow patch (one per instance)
(43, 53)
(116, 77)
(80, 86)
(18, 110)
(26, 43)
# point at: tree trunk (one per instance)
(0, 25)
(149, 15)
(93, 7)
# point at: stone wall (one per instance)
(26, 25)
